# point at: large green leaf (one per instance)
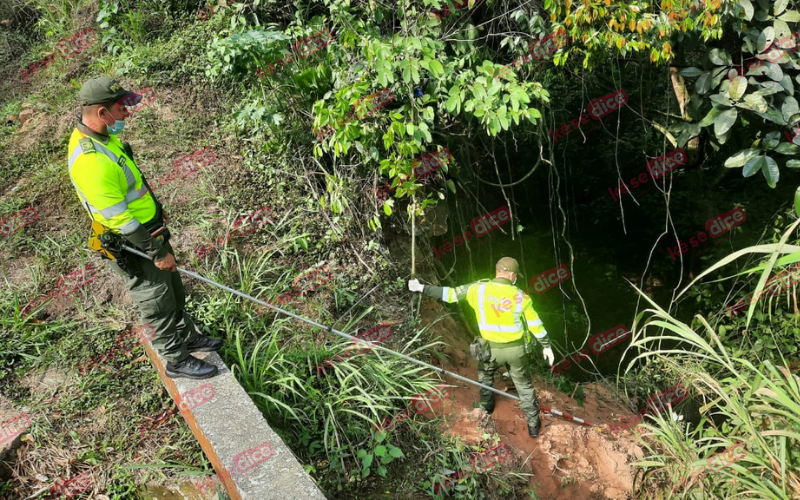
(771, 172)
(703, 84)
(790, 16)
(757, 70)
(789, 108)
(773, 115)
(776, 55)
(436, 68)
(454, 102)
(775, 72)
(787, 84)
(754, 102)
(748, 9)
(782, 30)
(710, 117)
(405, 66)
(765, 38)
(771, 140)
(725, 121)
(787, 148)
(722, 100)
(691, 72)
(753, 165)
(738, 87)
(740, 158)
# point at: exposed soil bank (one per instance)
(567, 460)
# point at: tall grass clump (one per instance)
(744, 397)
(329, 415)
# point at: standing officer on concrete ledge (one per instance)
(113, 190)
(500, 307)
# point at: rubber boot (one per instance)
(533, 430)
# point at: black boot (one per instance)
(191, 367)
(204, 344)
(489, 407)
(534, 431)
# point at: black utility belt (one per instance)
(513, 343)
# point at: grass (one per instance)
(758, 404)
(89, 423)
(86, 424)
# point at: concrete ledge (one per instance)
(13, 424)
(231, 429)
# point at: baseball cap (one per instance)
(507, 264)
(104, 90)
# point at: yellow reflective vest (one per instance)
(108, 182)
(503, 310)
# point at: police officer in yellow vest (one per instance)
(504, 312)
(114, 192)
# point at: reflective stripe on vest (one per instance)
(133, 193)
(518, 309)
(481, 310)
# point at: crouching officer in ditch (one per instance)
(123, 210)
(500, 308)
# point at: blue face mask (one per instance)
(116, 128)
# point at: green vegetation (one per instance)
(717, 78)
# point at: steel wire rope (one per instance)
(356, 340)
(326, 328)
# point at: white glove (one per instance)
(547, 352)
(415, 286)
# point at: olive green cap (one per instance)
(507, 264)
(103, 90)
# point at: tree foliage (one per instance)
(742, 111)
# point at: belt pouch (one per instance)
(480, 350)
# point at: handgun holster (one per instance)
(480, 350)
(109, 245)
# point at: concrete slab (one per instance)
(251, 460)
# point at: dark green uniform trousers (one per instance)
(520, 372)
(161, 299)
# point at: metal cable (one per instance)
(330, 329)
